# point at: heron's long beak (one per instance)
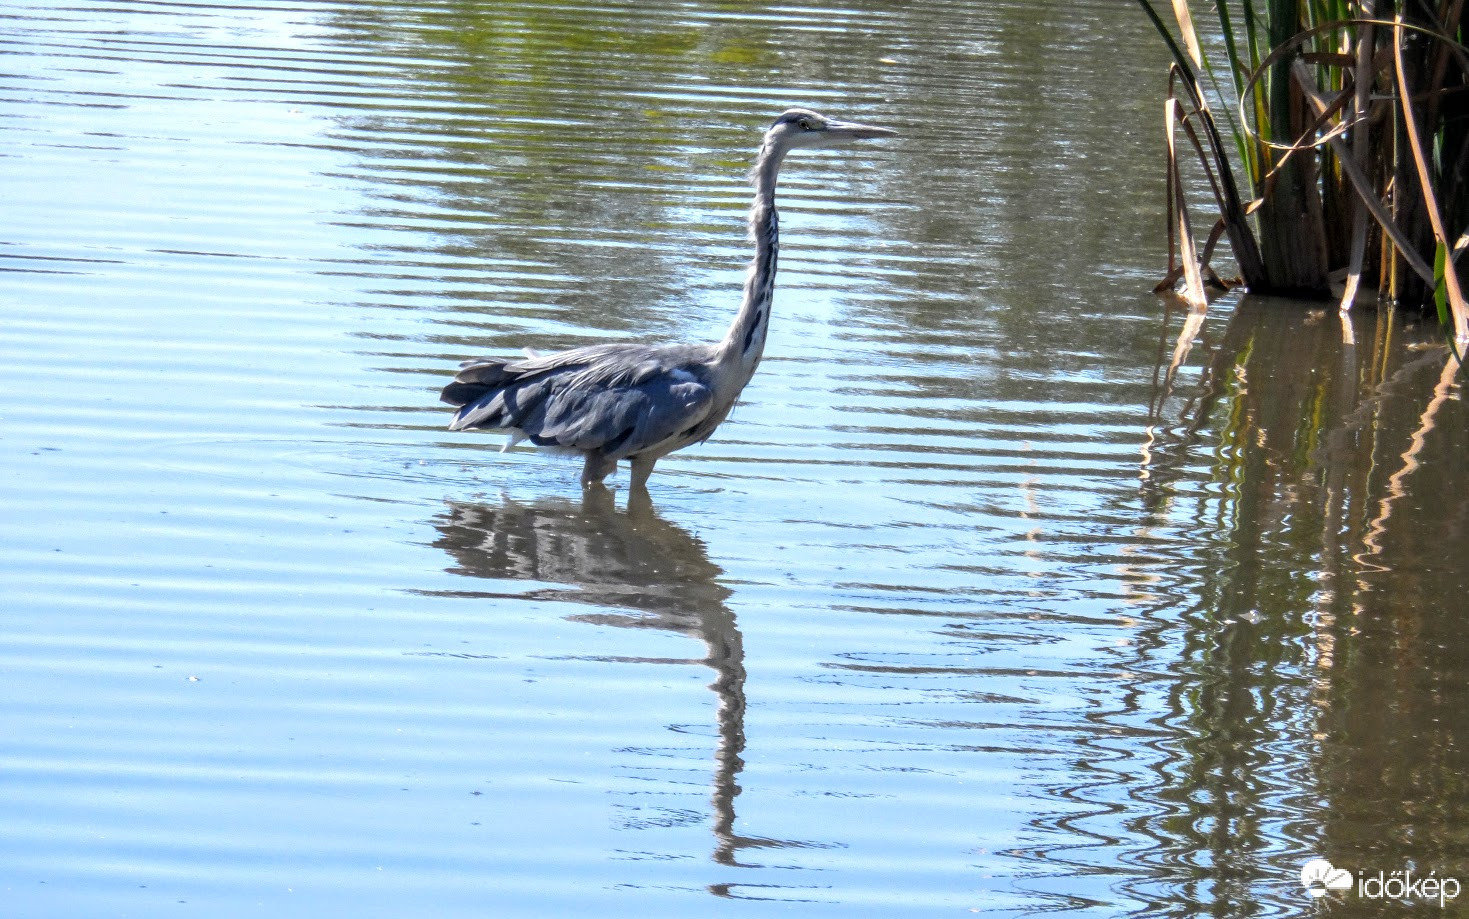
(848, 130)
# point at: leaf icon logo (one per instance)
(1319, 876)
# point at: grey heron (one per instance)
(636, 401)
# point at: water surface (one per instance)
(998, 594)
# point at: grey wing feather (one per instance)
(624, 420)
(616, 399)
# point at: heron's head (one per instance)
(800, 128)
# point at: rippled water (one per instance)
(1006, 590)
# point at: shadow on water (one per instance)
(1319, 698)
(615, 560)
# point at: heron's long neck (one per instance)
(745, 341)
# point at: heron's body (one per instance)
(635, 401)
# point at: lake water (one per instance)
(1005, 590)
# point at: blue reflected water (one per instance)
(1006, 591)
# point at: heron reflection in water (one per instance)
(634, 561)
(640, 402)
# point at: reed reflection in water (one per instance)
(1323, 677)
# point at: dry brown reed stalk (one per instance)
(1180, 228)
(1210, 146)
(1450, 277)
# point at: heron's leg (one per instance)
(597, 468)
(642, 467)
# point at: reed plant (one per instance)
(1348, 125)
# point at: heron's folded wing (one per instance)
(620, 421)
(586, 398)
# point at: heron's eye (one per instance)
(806, 124)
